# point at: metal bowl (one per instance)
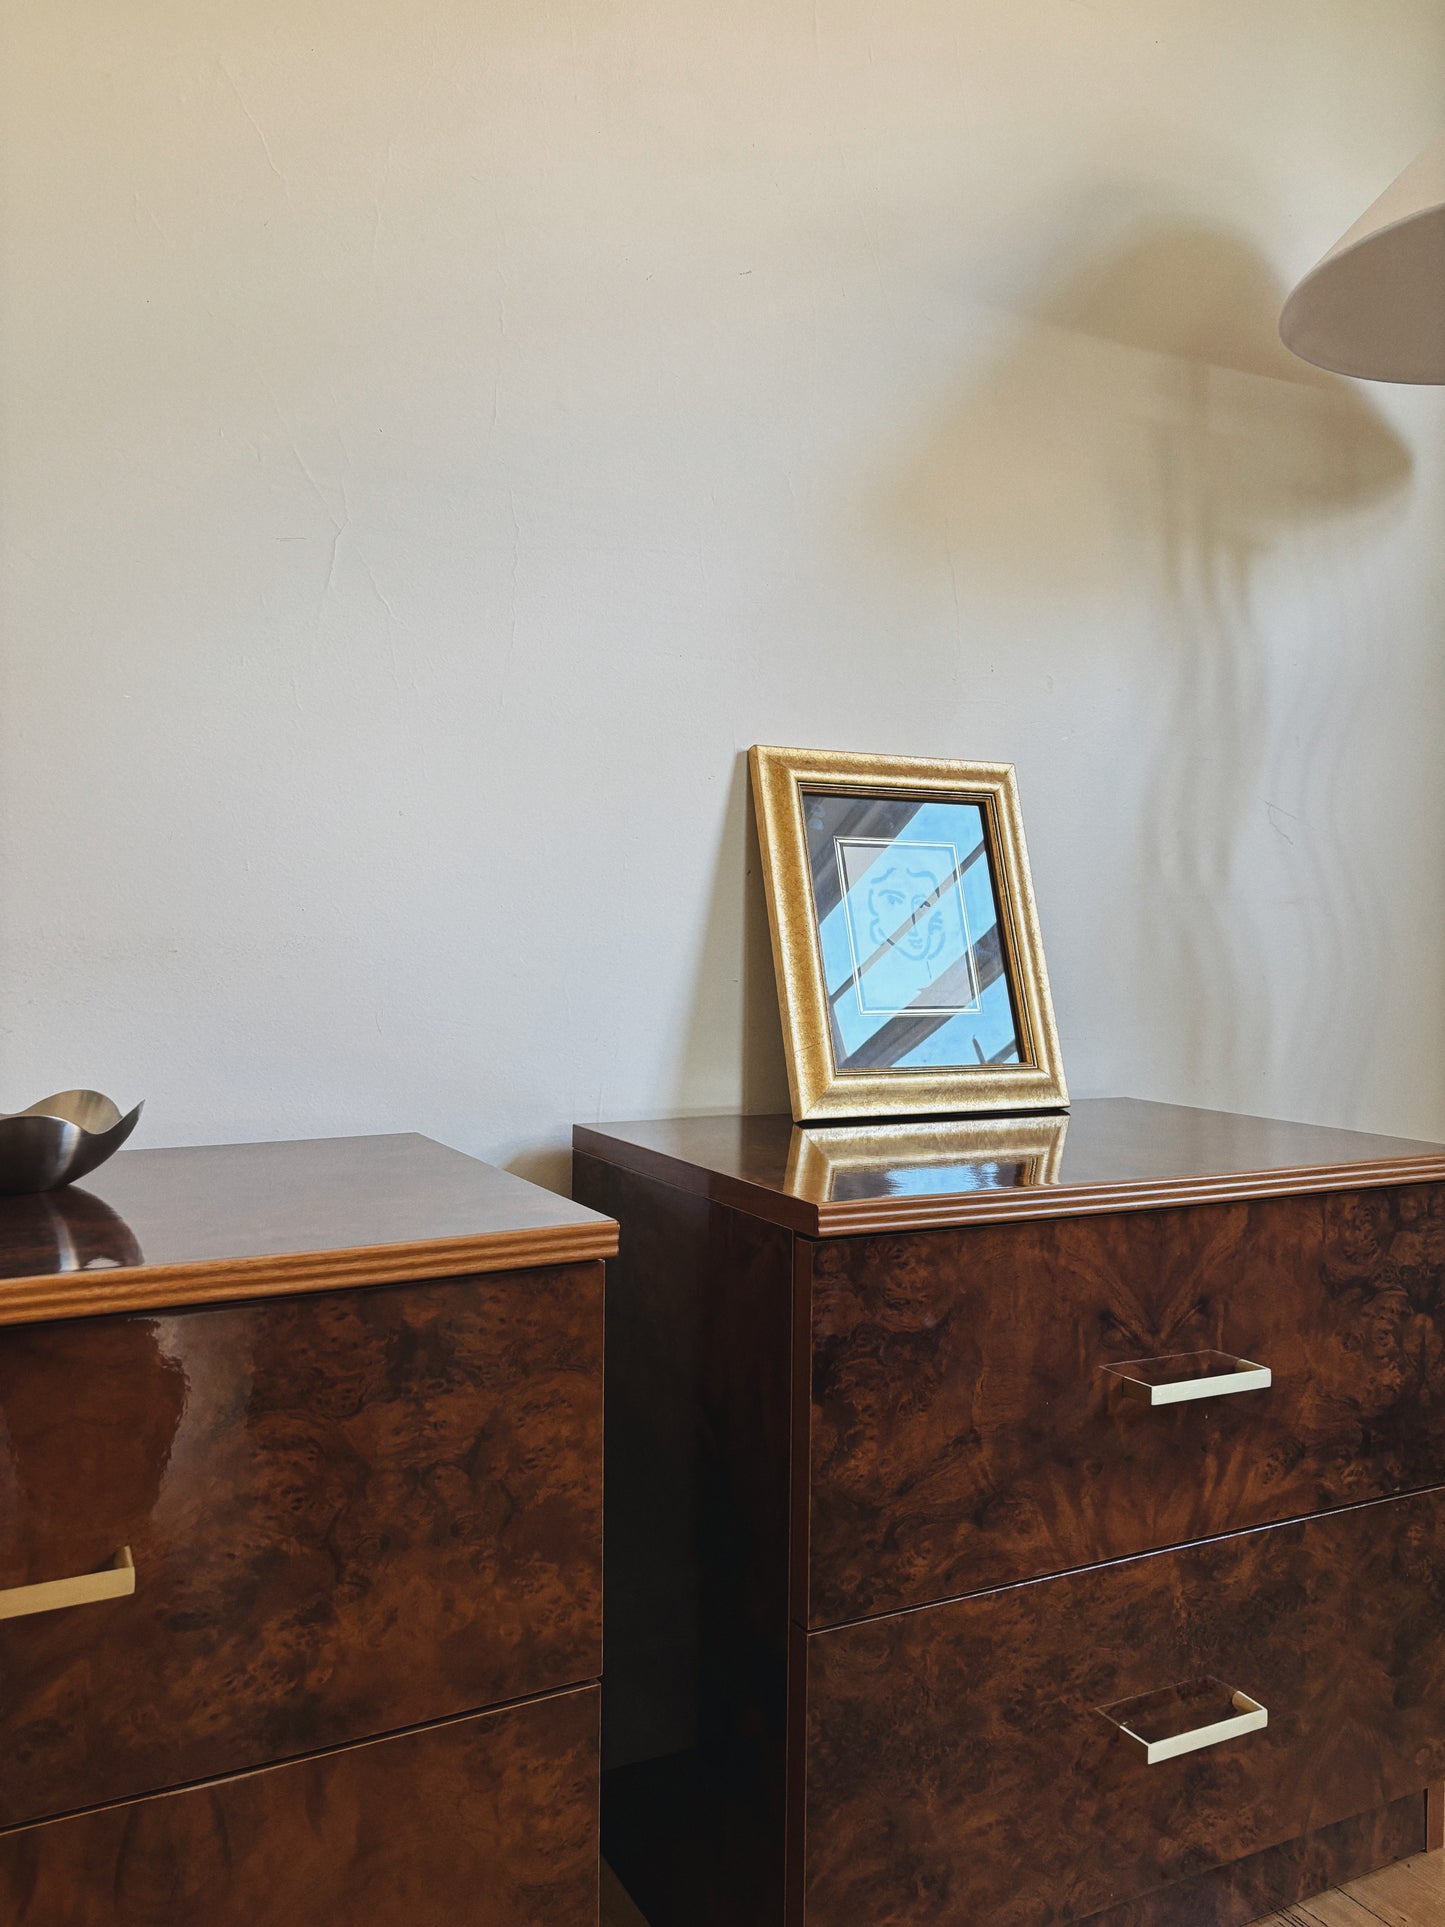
(59, 1139)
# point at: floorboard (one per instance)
(1411, 1894)
(617, 1909)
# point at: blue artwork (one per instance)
(907, 920)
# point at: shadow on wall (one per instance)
(1148, 436)
(1158, 371)
(550, 1166)
(733, 1023)
(735, 1009)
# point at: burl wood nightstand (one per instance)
(1019, 1524)
(300, 1543)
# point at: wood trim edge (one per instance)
(861, 1216)
(856, 1217)
(777, 1207)
(89, 1294)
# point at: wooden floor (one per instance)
(617, 1909)
(1411, 1894)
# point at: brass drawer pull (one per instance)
(1146, 1722)
(114, 1581)
(1183, 1376)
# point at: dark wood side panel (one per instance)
(697, 1512)
(1297, 1870)
(958, 1767)
(349, 1513)
(696, 1849)
(964, 1434)
(483, 1822)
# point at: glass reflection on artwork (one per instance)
(908, 932)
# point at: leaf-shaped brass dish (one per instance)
(59, 1139)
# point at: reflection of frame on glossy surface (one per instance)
(787, 783)
(832, 1163)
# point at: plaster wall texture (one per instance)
(436, 441)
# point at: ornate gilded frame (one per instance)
(819, 1089)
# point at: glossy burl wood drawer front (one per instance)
(348, 1513)
(489, 1821)
(965, 1432)
(958, 1767)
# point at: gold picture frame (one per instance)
(883, 978)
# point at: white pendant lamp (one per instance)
(1375, 306)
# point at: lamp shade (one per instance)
(1375, 306)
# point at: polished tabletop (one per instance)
(225, 1221)
(1104, 1154)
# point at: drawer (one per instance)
(348, 1513)
(489, 1821)
(965, 1432)
(958, 1765)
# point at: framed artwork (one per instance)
(910, 970)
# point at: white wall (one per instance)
(436, 439)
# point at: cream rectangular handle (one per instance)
(1183, 1376)
(1249, 1717)
(114, 1581)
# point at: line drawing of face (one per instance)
(897, 895)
